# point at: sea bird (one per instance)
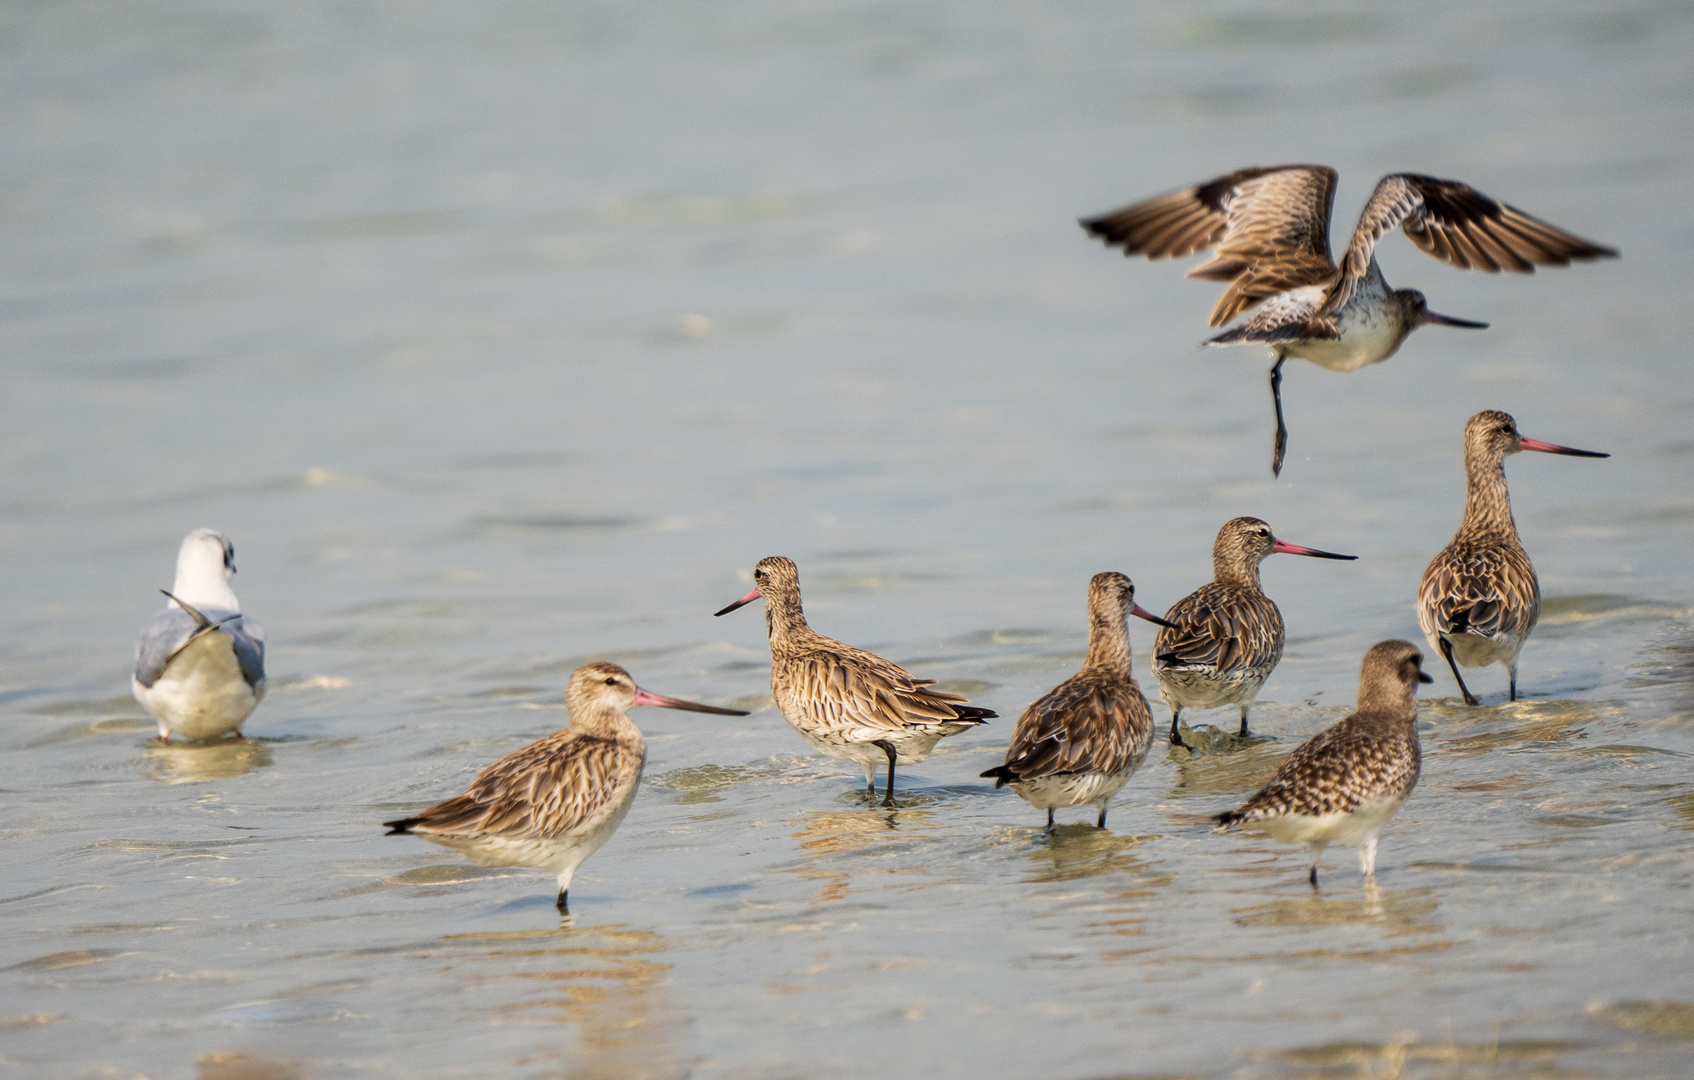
(1225, 637)
(1081, 741)
(845, 702)
(200, 663)
(553, 803)
(1271, 231)
(1479, 598)
(1342, 785)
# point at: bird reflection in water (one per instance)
(829, 833)
(1073, 852)
(603, 982)
(200, 763)
(1401, 912)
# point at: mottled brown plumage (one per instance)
(556, 801)
(1345, 783)
(845, 702)
(1479, 598)
(1082, 740)
(1270, 228)
(1229, 634)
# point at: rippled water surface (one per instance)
(501, 336)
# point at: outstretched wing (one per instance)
(1489, 591)
(1270, 227)
(548, 788)
(1082, 725)
(862, 697)
(1458, 225)
(1219, 631)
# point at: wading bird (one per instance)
(1271, 231)
(200, 663)
(845, 702)
(1080, 742)
(553, 803)
(1479, 598)
(1225, 637)
(1342, 785)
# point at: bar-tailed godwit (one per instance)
(200, 663)
(1271, 231)
(1479, 598)
(1080, 742)
(1342, 785)
(845, 702)
(1227, 635)
(553, 803)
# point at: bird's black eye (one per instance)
(611, 682)
(229, 555)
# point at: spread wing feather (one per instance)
(1220, 629)
(1087, 723)
(1270, 228)
(1458, 225)
(1488, 589)
(549, 788)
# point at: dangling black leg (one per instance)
(1447, 651)
(564, 908)
(1101, 824)
(1242, 734)
(1176, 736)
(1049, 819)
(888, 748)
(1281, 428)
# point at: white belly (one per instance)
(1071, 789)
(1190, 689)
(559, 855)
(1351, 830)
(1368, 336)
(202, 694)
(1474, 651)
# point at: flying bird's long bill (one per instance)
(1142, 613)
(1295, 549)
(1447, 320)
(647, 697)
(748, 599)
(1553, 448)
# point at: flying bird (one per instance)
(1270, 231)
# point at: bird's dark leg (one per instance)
(1447, 651)
(1176, 736)
(1514, 684)
(1314, 875)
(1049, 819)
(888, 748)
(1101, 824)
(1281, 446)
(1242, 734)
(564, 908)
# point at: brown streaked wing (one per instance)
(854, 688)
(1086, 724)
(1486, 589)
(547, 788)
(1363, 757)
(1459, 225)
(1222, 629)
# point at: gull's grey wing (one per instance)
(167, 632)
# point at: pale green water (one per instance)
(501, 336)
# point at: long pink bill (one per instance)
(1142, 613)
(1553, 448)
(1295, 549)
(1448, 320)
(647, 697)
(748, 599)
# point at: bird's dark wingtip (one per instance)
(403, 827)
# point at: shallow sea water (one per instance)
(503, 336)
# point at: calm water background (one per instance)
(504, 335)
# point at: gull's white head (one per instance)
(204, 565)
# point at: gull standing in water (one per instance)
(1225, 637)
(200, 663)
(1342, 785)
(1082, 740)
(1479, 598)
(1271, 231)
(845, 702)
(553, 803)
